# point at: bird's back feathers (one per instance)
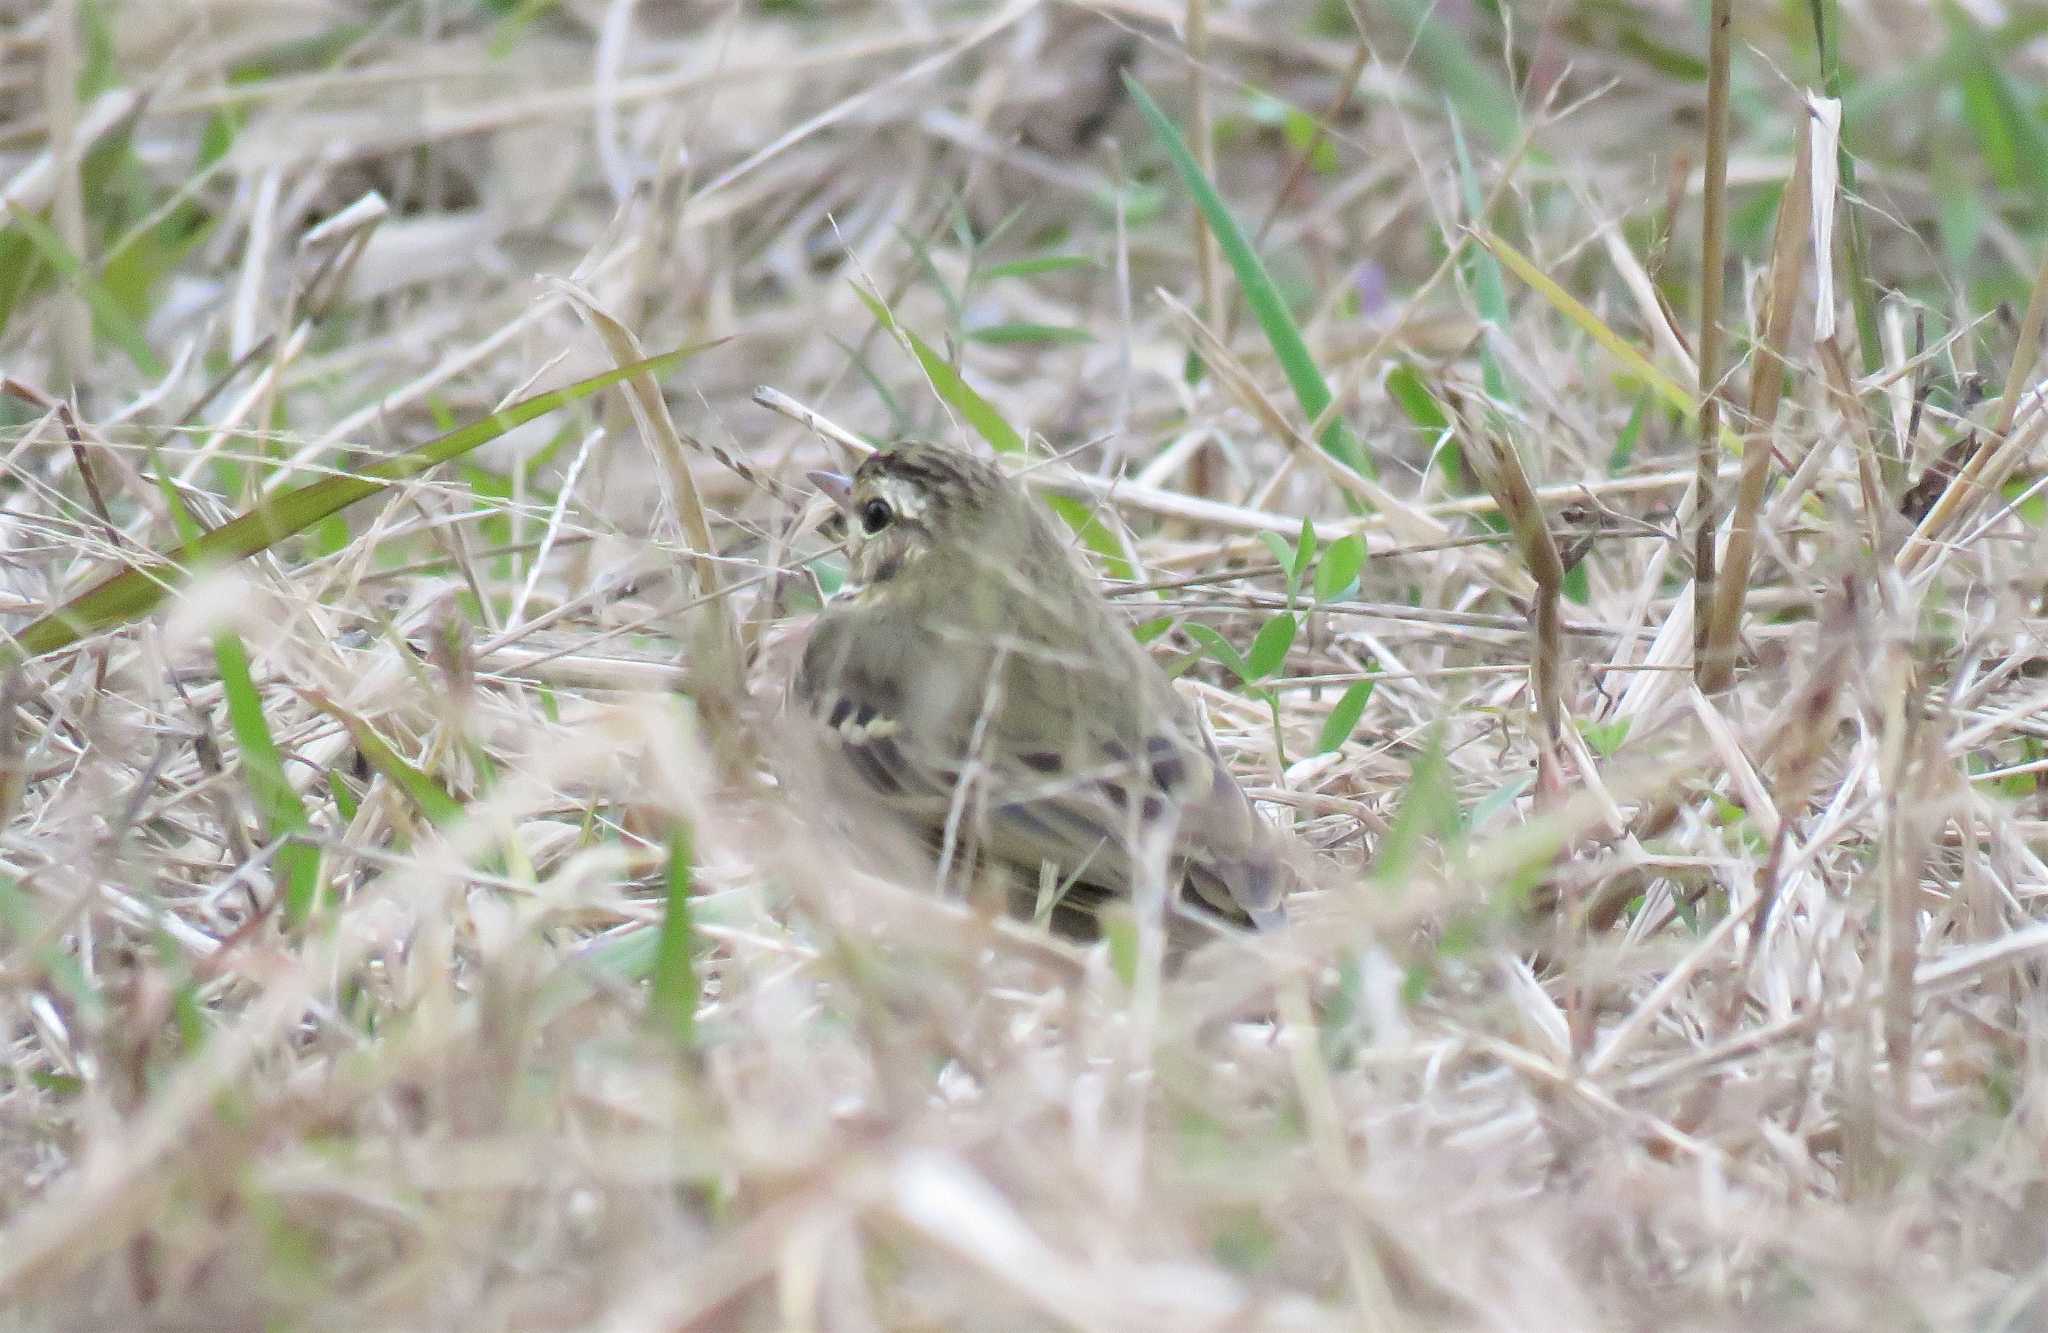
(1016, 709)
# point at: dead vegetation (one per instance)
(403, 925)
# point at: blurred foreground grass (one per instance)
(404, 921)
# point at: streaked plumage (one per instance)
(969, 643)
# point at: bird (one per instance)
(969, 676)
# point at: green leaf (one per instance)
(1092, 533)
(1244, 1240)
(1269, 648)
(1304, 549)
(1415, 400)
(188, 1013)
(97, 71)
(1960, 210)
(1338, 573)
(1294, 560)
(519, 15)
(1281, 549)
(1343, 718)
(1147, 631)
(1604, 738)
(297, 863)
(1487, 806)
(1300, 128)
(1268, 307)
(899, 420)
(134, 592)
(1219, 648)
(1000, 334)
(946, 381)
(181, 517)
(677, 990)
(345, 802)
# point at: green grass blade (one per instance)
(997, 335)
(345, 802)
(922, 253)
(1093, 534)
(1024, 268)
(1482, 97)
(676, 989)
(420, 787)
(1429, 810)
(1004, 438)
(1637, 365)
(2010, 136)
(1482, 269)
(135, 591)
(957, 393)
(297, 863)
(107, 312)
(1267, 305)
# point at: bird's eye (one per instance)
(875, 515)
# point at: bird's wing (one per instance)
(1050, 728)
(1112, 756)
(852, 682)
(907, 706)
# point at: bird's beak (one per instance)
(836, 487)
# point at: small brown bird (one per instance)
(970, 676)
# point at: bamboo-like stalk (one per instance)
(1713, 244)
(1911, 760)
(1723, 620)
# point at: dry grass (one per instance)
(1619, 1005)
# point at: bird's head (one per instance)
(907, 505)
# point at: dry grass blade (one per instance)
(2000, 450)
(1499, 465)
(1210, 304)
(1713, 242)
(1605, 1000)
(1783, 286)
(121, 597)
